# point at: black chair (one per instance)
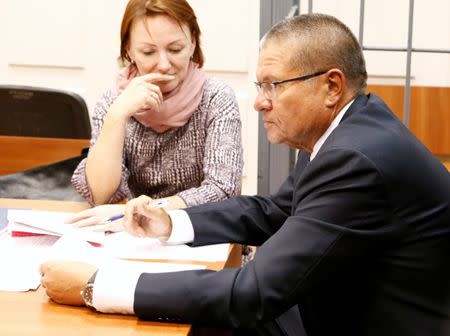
(44, 113)
(41, 112)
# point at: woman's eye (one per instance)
(175, 51)
(148, 52)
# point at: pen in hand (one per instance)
(112, 224)
(112, 219)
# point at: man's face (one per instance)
(296, 114)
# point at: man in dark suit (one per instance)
(357, 239)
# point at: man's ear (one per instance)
(336, 85)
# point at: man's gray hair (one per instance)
(321, 42)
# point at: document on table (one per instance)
(28, 222)
(123, 245)
(119, 245)
(20, 270)
(74, 249)
(20, 261)
(22, 255)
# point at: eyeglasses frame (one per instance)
(274, 84)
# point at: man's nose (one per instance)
(262, 103)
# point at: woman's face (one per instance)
(160, 45)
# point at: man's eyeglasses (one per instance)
(268, 89)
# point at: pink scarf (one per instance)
(178, 105)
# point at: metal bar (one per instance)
(263, 175)
(408, 64)
(424, 50)
(310, 6)
(292, 12)
(274, 161)
(361, 22)
(430, 50)
(384, 48)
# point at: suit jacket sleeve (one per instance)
(257, 218)
(337, 199)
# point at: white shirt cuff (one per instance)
(114, 289)
(182, 229)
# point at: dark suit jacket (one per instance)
(359, 238)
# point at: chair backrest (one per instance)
(43, 112)
(42, 134)
(40, 126)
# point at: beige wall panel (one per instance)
(226, 33)
(47, 32)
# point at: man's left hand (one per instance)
(64, 280)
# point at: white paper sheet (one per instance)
(49, 222)
(74, 249)
(123, 245)
(119, 245)
(21, 257)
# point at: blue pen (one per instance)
(107, 222)
(161, 203)
(114, 218)
(158, 204)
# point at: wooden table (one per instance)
(19, 153)
(32, 313)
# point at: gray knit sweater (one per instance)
(200, 162)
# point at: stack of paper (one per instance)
(26, 254)
(123, 245)
(119, 245)
(73, 249)
(21, 260)
(31, 222)
(36, 236)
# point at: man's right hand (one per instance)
(144, 220)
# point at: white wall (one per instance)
(230, 35)
(74, 45)
(386, 24)
(60, 43)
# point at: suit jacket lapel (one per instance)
(303, 158)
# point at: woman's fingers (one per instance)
(80, 215)
(153, 99)
(94, 220)
(143, 93)
(156, 77)
(96, 215)
(116, 226)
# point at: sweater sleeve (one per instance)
(79, 178)
(222, 166)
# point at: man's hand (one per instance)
(144, 220)
(64, 280)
